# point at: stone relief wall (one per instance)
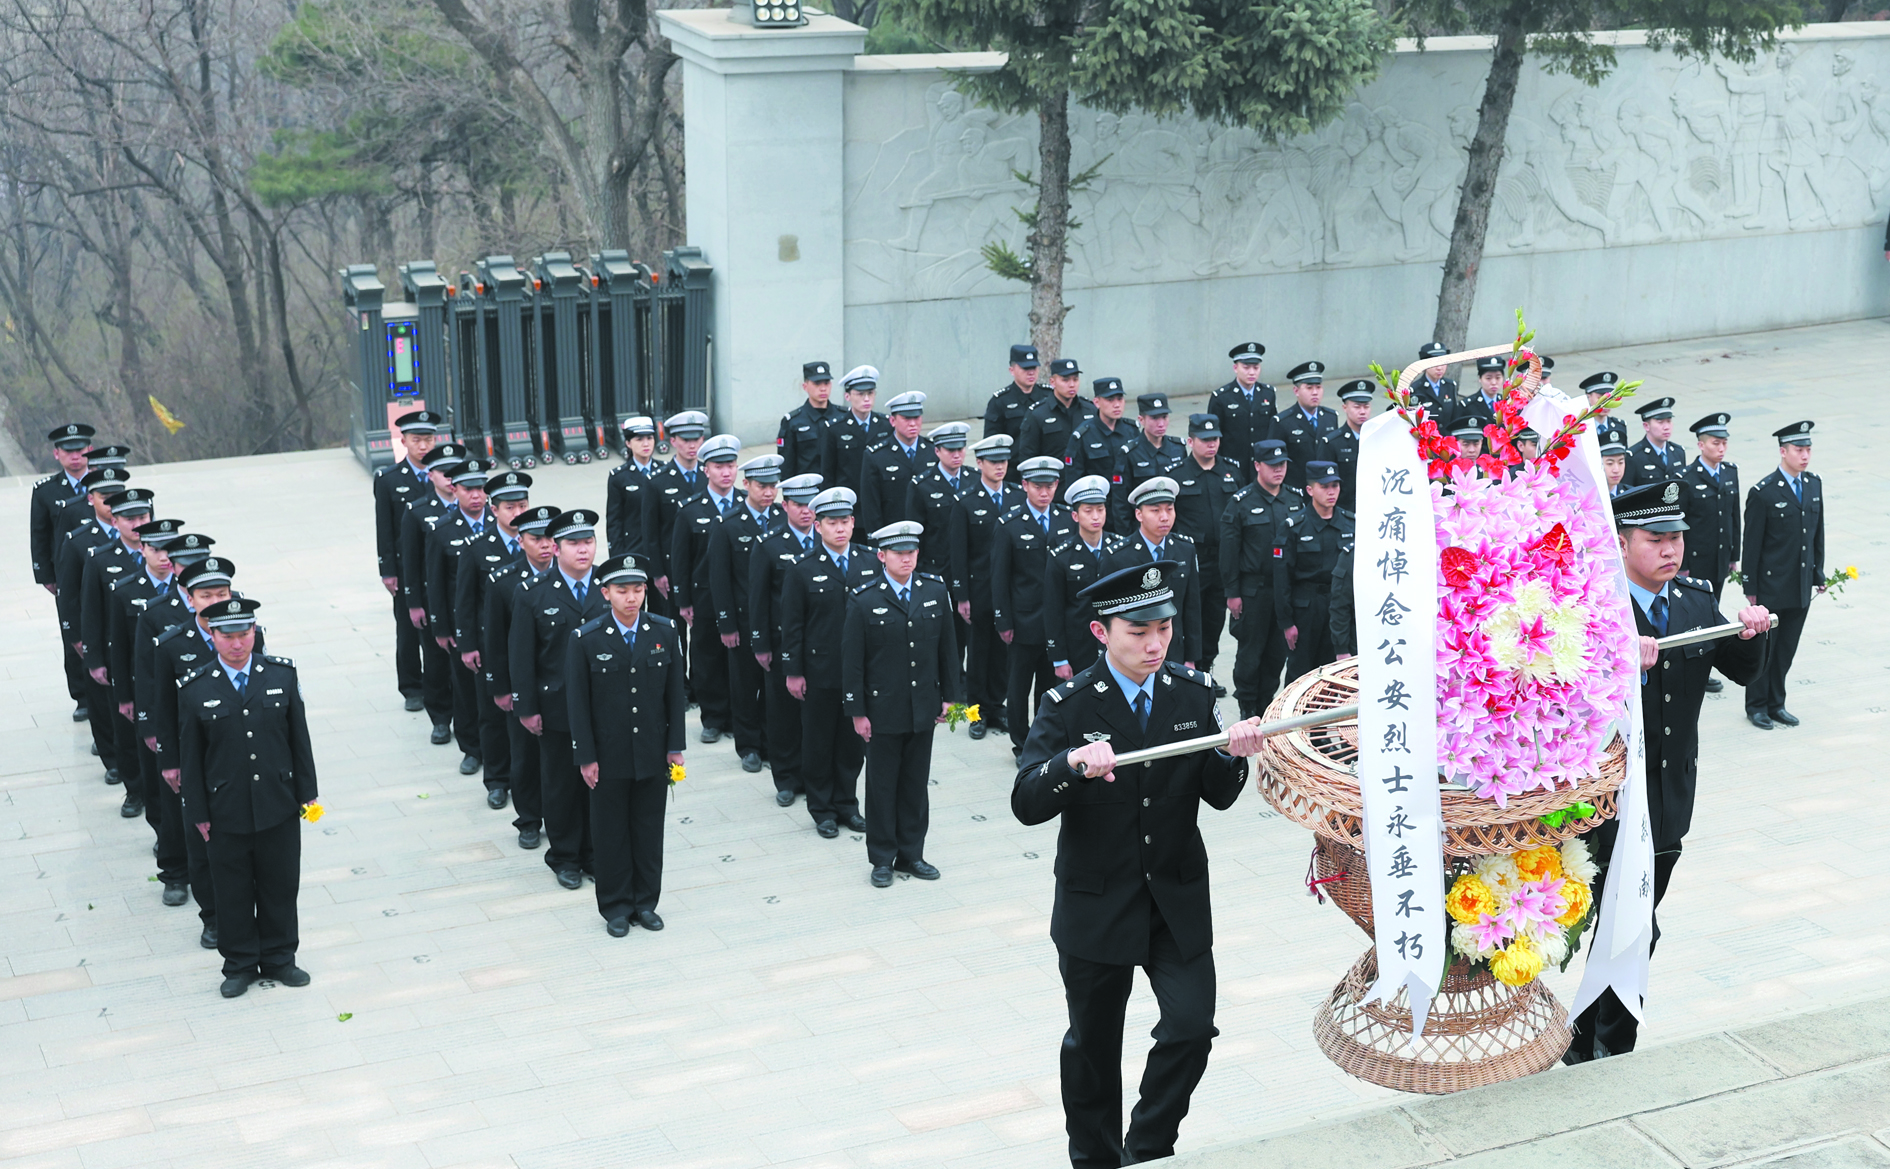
(1663, 151)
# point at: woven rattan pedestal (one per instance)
(1478, 1031)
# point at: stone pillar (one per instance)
(765, 161)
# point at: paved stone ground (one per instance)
(791, 1014)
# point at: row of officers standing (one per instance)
(205, 732)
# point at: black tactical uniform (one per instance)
(844, 447)
(1782, 565)
(247, 770)
(1131, 890)
(1246, 418)
(395, 487)
(1020, 560)
(813, 618)
(799, 440)
(627, 708)
(767, 574)
(1344, 619)
(1140, 463)
(898, 667)
(1647, 465)
(1185, 580)
(1310, 549)
(1204, 496)
(1048, 426)
(544, 614)
(887, 474)
(1073, 567)
(689, 589)
(1340, 448)
(1711, 504)
(731, 572)
(1005, 414)
(480, 557)
(974, 525)
(1098, 450)
(1302, 437)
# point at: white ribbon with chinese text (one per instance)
(1394, 577)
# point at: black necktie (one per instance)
(1657, 615)
(1141, 708)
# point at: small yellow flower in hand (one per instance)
(974, 716)
(676, 773)
(312, 812)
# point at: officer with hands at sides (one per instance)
(731, 563)
(695, 527)
(1101, 444)
(1711, 502)
(892, 465)
(854, 431)
(624, 677)
(1074, 565)
(1154, 538)
(629, 490)
(786, 544)
(1305, 424)
(446, 540)
(503, 584)
(62, 488)
(1784, 564)
(481, 555)
(1311, 546)
(1131, 868)
(1206, 482)
(1051, 422)
(1656, 458)
(1252, 529)
(1246, 406)
(974, 522)
(1435, 391)
(436, 679)
(1005, 413)
(1020, 559)
(798, 441)
(1154, 452)
(396, 486)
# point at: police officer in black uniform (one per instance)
(1131, 868)
(893, 464)
(1656, 458)
(1783, 545)
(1207, 483)
(1020, 559)
(1711, 503)
(1246, 406)
(628, 491)
(1154, 452)
(130, 594)
(678, 482)
(481, 555)
(1051, 422)
(786, 544)
(934, 497)
(813, 618)
(1004, 413)
(1466, 426)
(1648, 519)
(396, 486)
(73, 551)
(544, 613)
(974, 523)
(1311, 548)
(1598, 386)
(105, 565)
(689, 581)
(503, 585)
(446, 539)
(1340, 448)
(1301, 426)
(898, 677)
(1489, 389)
(1435, 391)
(798, 441)
(1253, 529)
(623, 674)
(731, 572)
(853, 431)
(69, 443)
(1155, 538)
(1074, 565)
(436, 678)
(248, 773)
(1611, 434)
(1101, 444)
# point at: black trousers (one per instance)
(495, 737)
(1315, 636)
(708, 675)
(1607, 1026)
(784, 733)
(567, 803)
(183, 855)
(528, 809)
(1030, 665)
(746, 679)
(75, 671)
(101, 712)
(988, 676)
(465, 706)
(151, 786)
(830, 756)
(407, 673)
(627, 829)
(1767, 692)
(125, 748)
(1098, 995)
(898, 806)
(257, 876)
(1259, 655)
(1213, 616)
(436, 678)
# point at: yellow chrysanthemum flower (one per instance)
(676, 773)
(1469, 899)
(1518, 964)
(1578, 897)
(1536, 863)
(1850, 570)
(971, 713)
(312, 812)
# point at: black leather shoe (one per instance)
(112, 777)
(617, 927)
(648, 920)
(175, 894)
(80, 714)
(1220, 691)
(784, 799)
(571, 878)
(882, 877)
(208, 938)
(416, 703)
(1714, 685)
(856, 823)
(496, 797)
(132, 808)
(291, 975)
(468, 764)
(977, 730)
(751, 762)
(235, 985)
(1760, 719)
(918, 869)
(827, 829)
(711, 735)
(93, 746)
(442, 734)
(528, 838)
(1781, 715)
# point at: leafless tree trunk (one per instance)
(1049, 239)
(1464, 260)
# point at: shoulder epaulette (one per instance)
(46, 480)
(1198, 677)
(1061, 690)
(379, 471)
(1693, 584)
(171, 632)
(1347, 514)
(932, 576)
(1183, 536)
(195, 674)
(594, 623)
(858, 589)
(1058, 549)
(660, 621)
(276, 661)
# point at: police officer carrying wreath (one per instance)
(248, 772)
(1131, 868)
(623, 675)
